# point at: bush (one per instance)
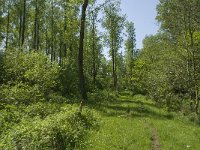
(102, 96)
(68, 79)
(30, 68)
(57, 98)
(64, 130)
(10, 115)
(20, 94)
(28, 77)
(41, 110)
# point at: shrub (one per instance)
(20, 94)
(64, 130)
(57, 98)
(10, 115)
(102, 96)
(68, 79)
(31, 68)
(41, 109)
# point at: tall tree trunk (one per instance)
(7, 30)
(52, 32)
(20, 23)
(194, 70)
(115, 75)
(80, 56)
(24, 23)
(113, 64)
(36, 32)
(65, 29)
(60, 51)
(46, 42)
(94, 73)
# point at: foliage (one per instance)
(114, 22)
(39, 42)
(99, 97)
(68, 79)
(66, 129)
(160, 71)
(30, 68)
(20, 94)
(130, 52)
(180, 20)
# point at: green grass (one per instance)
(121, 134)
(177, 135)
(127, 123)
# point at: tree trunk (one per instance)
(60, 52)
(80, 56)
(36, 30)
(94, 73)
(24, 23)
(52, 32)
(65, 29)
(7, 30)
(46, 42)
(20, 24)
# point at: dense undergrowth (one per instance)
(33, 112)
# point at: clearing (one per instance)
(135, 123)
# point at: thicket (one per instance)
(34, 113)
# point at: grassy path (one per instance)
(135, 123)
(155, 144)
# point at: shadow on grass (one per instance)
(124, 108)
(137, 102)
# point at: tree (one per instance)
(159, 71)
(8, 24)
(180, 19)
(36, 27)
(130, 47)
(113, 23)
(80, 55)
(93, 47)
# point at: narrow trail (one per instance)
(155, 141)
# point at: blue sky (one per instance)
(142, 13)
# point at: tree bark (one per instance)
(80, 56)
(36, 28)
(94, 72)
(24, 23)
(20, 24)
(7, 30)
(65, 29)
(52, 32)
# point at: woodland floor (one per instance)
(136, 123)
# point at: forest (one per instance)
(59, 90)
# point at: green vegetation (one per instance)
(58, 90)
(128, 123)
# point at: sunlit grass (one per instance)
(127, 124)
(177, 135)
(121, 134)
